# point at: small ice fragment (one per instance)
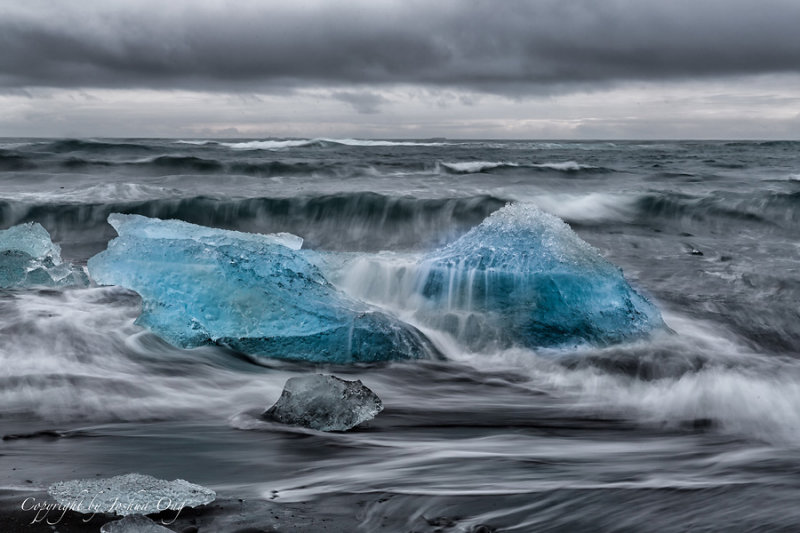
(325, 403)
(32, 239)
(129, 494)
(154, 228)
(134, 524)
(29, 258)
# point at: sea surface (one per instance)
(697, 430)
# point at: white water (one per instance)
(294, 143)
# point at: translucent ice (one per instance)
(134, 524)
(523, 276)
(129, 494)
(326, 403)
(254, 293)
(29, 258)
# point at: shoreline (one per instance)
(339, 513)
(223, 515)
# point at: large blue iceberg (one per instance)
(254, 293)
(28, 258)
(523, 277)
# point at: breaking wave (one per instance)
(470, 167)
(187, 164)
(777, 209)
(11, 162)
(320, 142)
(568, 166)
(92, 146)
(347, 221)
(475, 167)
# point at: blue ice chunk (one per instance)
(29, 258)
(524, 277)
(254, 293)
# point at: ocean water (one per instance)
(699, 429)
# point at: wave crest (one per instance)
(320, 142)
(347, 221)
(477, 167)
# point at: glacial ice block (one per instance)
(254, 293)
(524, 277)
(29, 258)
(129, 494)
(326, 403)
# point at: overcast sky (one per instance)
(382, 68)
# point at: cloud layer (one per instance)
(504, 47)
(401, 68)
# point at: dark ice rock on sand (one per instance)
(325, 403)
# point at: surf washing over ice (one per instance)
(254, 293)
(521, 277)
(488, 420)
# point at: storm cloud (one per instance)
(401, 68)
(504, 47)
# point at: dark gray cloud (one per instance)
(364, 102)
(511, 47)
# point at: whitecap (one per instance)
(295, 143)
(589, 208)
(196, 142)
(565, 166)
(474, 167)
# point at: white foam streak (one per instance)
(470, 167)
(424, 458)
(103, 192)
(565, 166)
(294, 143)
(361, 142)
(475, 167)
(588, 208)
(745, 394)
(83, 359)
(267, 145)
(196, 142)
(386, 279)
